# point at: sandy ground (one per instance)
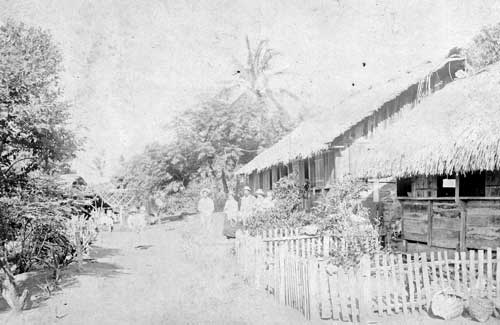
(178, 275)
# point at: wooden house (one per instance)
(320, 150)
(445, 154)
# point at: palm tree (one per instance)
(253, 78)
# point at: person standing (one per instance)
(231, 208)
(259, 201)
(247, 204)
(268, 201)
(205, 208)
(231, 216)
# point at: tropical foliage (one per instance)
(485, 47)
(33, 120)
(216, 137)
(35, 142)
(287, 211)
(338, 214)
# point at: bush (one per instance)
(34, 226)
(338, 214)
(341, 215)
(286, 213)
(485, 47)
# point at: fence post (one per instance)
(365, 310)
(282, 252)
(313, 289)
(326, 246)
(259, 261)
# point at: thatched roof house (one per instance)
(445, 153)
(456, 130)
(318, 149)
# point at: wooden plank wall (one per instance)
(415, 220)
(483, 223)
(439, 223)
(445, 224)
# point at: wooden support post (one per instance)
(463, 215)
(429, 223)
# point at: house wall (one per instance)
(461, 222)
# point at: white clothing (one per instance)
(205, 208)
(231, 208)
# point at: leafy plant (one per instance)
(286, 213)
(484, 48)
(341, 215)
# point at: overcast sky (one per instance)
(131, 64)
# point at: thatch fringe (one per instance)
(456, 130)
(313, 136)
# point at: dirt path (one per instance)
(179, 275)
(176, 278)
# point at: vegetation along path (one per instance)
(176, 276)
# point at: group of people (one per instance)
(249, 204)
(235, 212)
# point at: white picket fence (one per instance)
(295, 269)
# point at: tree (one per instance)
(255, 76)
(34, 131)
(216, 137)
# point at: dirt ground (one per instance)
(177, 275)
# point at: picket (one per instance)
(489, 272)
(457, 272)
(411, 288)
(287, 266)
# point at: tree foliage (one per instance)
(216, 137)
(35, 142)
(485, 47)
(34, 131)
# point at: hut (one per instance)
(445, 154)
(319, 150)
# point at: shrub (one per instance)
(286, 213)
(341, 215)
(485, 47)
(34, 226)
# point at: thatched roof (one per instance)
(455, 130)
(313, 136)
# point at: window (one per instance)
(442, 186)
(473, 184)
(403, 186)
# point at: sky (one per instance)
(131, 65)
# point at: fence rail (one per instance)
(296, 271)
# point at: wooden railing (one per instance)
(381, 285)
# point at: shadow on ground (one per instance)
(41, 285)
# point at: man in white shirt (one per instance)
(247, 204)
(259, 201)
(205, 208)
(268, 201)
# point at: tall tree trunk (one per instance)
(224, 182)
